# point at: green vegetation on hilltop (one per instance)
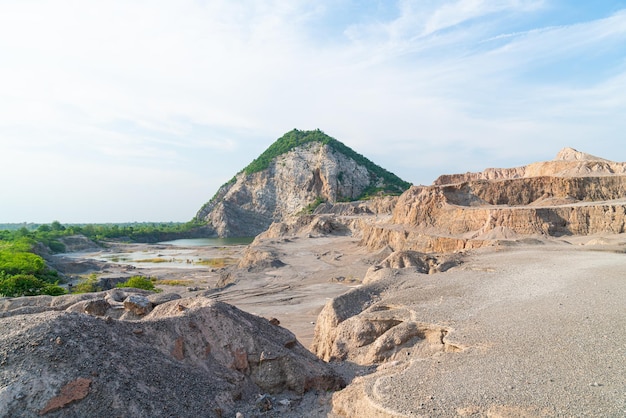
(296, 138)
(392, 184)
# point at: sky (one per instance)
(138, 110)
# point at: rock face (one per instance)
(299, 169)
(354, 327)
(187, 357)
(575, 194)
(567, 163)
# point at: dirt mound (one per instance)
(421, 262)
(498, 233)
(187, 357)
(74, 243)
(257, 259)
(382, 333)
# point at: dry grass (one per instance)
(166, 282)
(219, 262)
(153, 260)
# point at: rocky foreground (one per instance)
(121, 353)
(495, 294)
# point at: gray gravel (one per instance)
(543, 330)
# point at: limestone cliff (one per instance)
(568, 163)
(298, 170)
(575, 194)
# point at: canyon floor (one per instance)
(531, 327)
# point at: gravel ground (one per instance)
(542, 332)
(541, 326)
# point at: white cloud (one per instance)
(184, 94)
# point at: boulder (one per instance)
(97, 307)
(138, 305)
(159, 298)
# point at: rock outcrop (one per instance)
(299, 170)
(360, 327)
(576, 194)
(567, 163)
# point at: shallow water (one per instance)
(209, 242)
(181, 253)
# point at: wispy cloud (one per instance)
(195, 90)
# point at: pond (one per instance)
(209, 242)
(181, 253)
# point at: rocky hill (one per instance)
(574, 194)
(298, 171)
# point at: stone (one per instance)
(71, 392)
(177, 350)
(274, 321)
(96, 307)
(138, 305)
(159, 298)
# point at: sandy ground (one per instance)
(316, 270)
(542, 327)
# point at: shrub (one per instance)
(218, 263)
(87, 285)
(27, 285)
(56, 247)
(53, 290)
(310, 208)
(167, 282)
(19, 262)
(138, 282)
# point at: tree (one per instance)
(56, 226)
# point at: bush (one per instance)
(27, 285)
(56, 247)
(18, 262)
(53, 290)
(310, 208)
(138, 282)
(87, 285)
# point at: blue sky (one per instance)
(117, 111)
